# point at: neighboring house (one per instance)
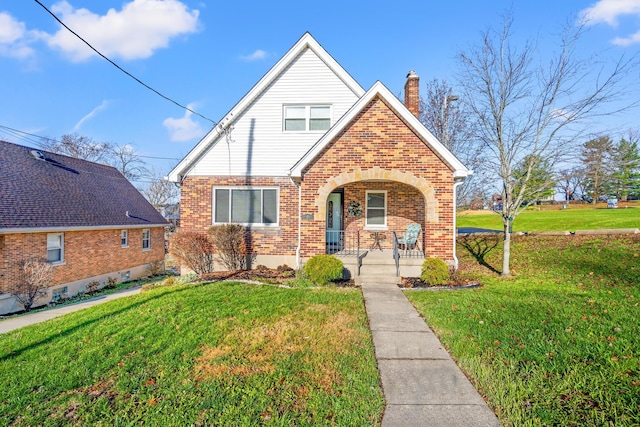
(171, 213)
(84, 218)
(315, 164)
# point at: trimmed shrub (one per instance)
(229, 243)
(435, 272)
(111, 282)
(322, 269)
(193, 250)
(93, 287)
(155, 268)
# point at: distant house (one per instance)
(313, 163)
(84, 218)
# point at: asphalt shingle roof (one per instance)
(62, 191)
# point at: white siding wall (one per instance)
(259, 146)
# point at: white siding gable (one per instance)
(258, 145)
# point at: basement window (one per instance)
(59, 294)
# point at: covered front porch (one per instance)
(377, 222)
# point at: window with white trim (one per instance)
(304, 118)
(376, 209)
(124, 238)
(55, 248)
(146, 239)
(249, 206)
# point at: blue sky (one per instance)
(207, 55)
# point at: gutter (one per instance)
(18, 230)
(299, 220)
(456, 183)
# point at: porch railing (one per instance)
(396, 253)
(345, 243)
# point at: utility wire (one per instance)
(20, 134)
(122, 69)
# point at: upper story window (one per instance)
(146, 239)
(303, 118)
(124, 238)
(257, 206)
(376, 209)
(55, 248)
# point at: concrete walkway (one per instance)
(13, 323)
(421, 383)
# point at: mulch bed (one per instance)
(417, 283)
(263, 274)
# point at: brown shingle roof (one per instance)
(62, 191)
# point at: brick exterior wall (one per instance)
(86, 253)
(376, 151)
(378, 146)
(196, 211)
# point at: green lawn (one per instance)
(559, 343)
(571, 219)
(214, 354)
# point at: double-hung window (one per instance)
(249, 206)
(376, 209)
(307, 117)
(55, 248)
(124, 238)
(146, 239)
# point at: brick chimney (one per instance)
(412, 93)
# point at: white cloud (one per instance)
(183, 129)
(14, 37)
(134, 32)
(609, 12)
(93, 112)
(627, 41)
(255, 56)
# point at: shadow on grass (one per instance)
(480, 246)
(66, 332)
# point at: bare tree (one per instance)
(160, 192)
(128, 162)
(80, 147)
(570, 183)
(522, 108)
(36, 276)
(451, 124)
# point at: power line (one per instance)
(20, 135)
(122, 69)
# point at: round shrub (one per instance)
(321, 269)
(435, 272)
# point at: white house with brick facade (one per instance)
(312, 163)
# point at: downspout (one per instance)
(299, 221)
(455, 228)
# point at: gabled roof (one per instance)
(305, 42)
(379, 90)
(44, 191)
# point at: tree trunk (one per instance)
(506, 250)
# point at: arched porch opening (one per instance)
(363, 208)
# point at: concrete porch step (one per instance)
(386, 258)
(377, 279)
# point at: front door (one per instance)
(334, 222)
